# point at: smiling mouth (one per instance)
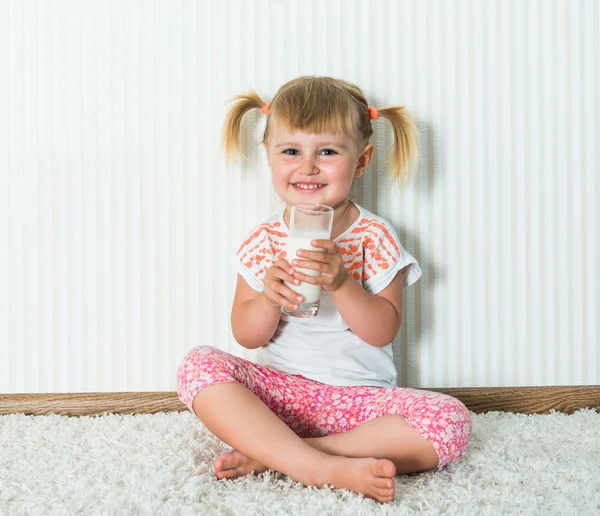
(307, 187)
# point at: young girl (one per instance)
(323, 406)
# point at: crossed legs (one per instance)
(364, 459)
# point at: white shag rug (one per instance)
(155, 464)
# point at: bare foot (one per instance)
(236, 464)
(371, 477)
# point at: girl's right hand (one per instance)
(276, 292)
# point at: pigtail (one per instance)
(233, 122)
(405, 152)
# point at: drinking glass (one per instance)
(307, 222)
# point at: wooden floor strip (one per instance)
(528, 400)
(524, 400)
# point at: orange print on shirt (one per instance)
(263, 253)
(368, 249)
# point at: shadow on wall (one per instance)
(370, 191)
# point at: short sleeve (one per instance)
(258, 253)
(247, 273)
(384, 257)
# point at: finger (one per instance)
(293, 298)
(329, 245)
(286, 274)
(317, 256)
(313, 280)
(308, 264)
(282, 300)
(284, 265)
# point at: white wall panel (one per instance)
(118, 212)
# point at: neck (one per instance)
(340, 217)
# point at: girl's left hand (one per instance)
(329, 263)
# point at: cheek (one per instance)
(280, 177)
(281, 170)
(340, 170)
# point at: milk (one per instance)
(311, 293)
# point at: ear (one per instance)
(363, 160)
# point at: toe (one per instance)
(224, 462)
(385, 468)
(228, 473)
(383, 483)
(383, 496)
(384, 487)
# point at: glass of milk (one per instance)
(307, 222)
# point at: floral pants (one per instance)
(314, 409)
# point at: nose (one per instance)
(308, 167)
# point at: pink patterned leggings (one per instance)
(314, 409)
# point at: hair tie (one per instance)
(265, 108)
(373, 114)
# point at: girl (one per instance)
(323, 406)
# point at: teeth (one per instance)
(308, 187)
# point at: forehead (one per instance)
(281, 134)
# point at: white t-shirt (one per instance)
(323, 348)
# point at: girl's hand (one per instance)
(276, 292)
(329, 263)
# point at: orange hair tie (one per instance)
(373, 114)
(265, 108)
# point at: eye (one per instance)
(290, 152)
(329, 152)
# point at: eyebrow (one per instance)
(324, 144)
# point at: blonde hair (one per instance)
(327, 105)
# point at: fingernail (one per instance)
(299, 298)
(297, 282)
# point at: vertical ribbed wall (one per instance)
(118, 215)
